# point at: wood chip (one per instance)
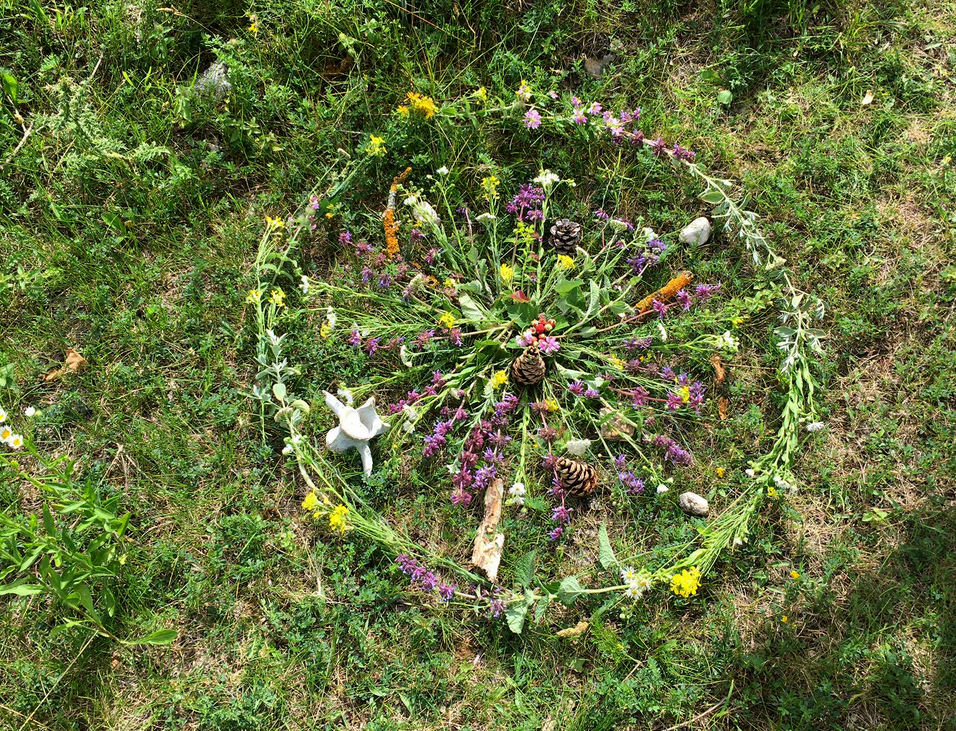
(489, 543)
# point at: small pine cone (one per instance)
(528, 368)
(577, 478)
(564, 236)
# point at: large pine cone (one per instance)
(528, 368)
(564, 236)
(577, 478)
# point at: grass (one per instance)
(130, 220)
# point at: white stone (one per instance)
(693, 504)
(356, 429)
(696, 232)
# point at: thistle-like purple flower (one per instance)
(532, 119)
(577, 388)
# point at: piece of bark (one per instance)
(489, 543)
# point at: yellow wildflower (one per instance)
(254, 297)
(617, 362)
(325, 330)
(490, 187)
(523, 92)
(684, 393)
(795, 574)
(552, 405)
(784, 619)
(254, 28)
(507, 273)
(338, 519)
(720, 471)
(481, 94)
(771, 491)
(274, 222)
(376, 146)
(311, 502)
(499, 379)
(423, 106)
(402, 111)
(277, 297)
(447, 320)
(565, 262)
(686, 583)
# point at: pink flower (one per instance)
(549, 344)
(532, 119)
(579, 118)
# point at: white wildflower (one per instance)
(331, 317)
(3, 415)
(727, 342)
(616, 224)
(577, 447)
(5, 433)
(633, 591)
(662, 331)
(815, 426)
(15, 441)
(28, 412)
(517, 492)
(750, 473)
(486, 217)
(442, 170)
(628, 574)
(305, 285)
(546, 179)
(662, 488)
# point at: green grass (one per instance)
(129, 221)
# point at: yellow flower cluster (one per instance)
(507, 273)
(553, 406)
(338, 516)
(254, 297)
(376, 146)
(423, 106)
(684, 393)
(481, 94)
(617, 362)
(686, 583)
(490, 187)
(274, 222)
(277, 297)
(499, 379)
(565, 262)
(447, 320)
(338, 519)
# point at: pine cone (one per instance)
(577, 478)
(564, 236)
(528, 368)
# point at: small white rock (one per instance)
(696, 232)
(693, 504)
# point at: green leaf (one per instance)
(278, 390)
(566, 287)
(713, 197)
(725, 96)
(516, 615)
(86, 599)
(605, 552)
(10, 85)
(300, 405)
(20, 587)
(537, 503)
(159, 637)
(48, 523)
(541, 608)
(470, 310)
(569, 590)
(524, 569)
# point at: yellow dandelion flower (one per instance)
(402, 111)
(565, 262)
(481, 94)
(338, 519)
(447, 320)
(506, 272)
(720, 471)
(277, 297)
(376, 146)
(311, 502)
(686, 583)
(254, 297)
(795, 574)
(254, 28)
(499, 379)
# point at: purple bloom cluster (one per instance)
(526, 204)
(648, 257)
(633, 485)
(672, 450)
(424, 579)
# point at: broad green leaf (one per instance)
(516, 615)
(470, 310)
(541, 608)
(605, 552)
(569, 590)
(566, 287)
(21, 588)
(10, 85)
(278, 390)
(725, 96)
(86, 599)
(524, 569)
(48, 523)
(713, 197)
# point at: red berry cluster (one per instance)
(539, 329)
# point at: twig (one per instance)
(699, 716)
(26, 134)
(53, 687)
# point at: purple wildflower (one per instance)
(345, 238)
(548, 433)
(637, 344)
(575, 102)
(705, 291)
(659, 307)
(460, 497)
(640, 397)
(484, 476)
(496, 608)
(455, 336)
(684, 298)
(595, 108)
(658, 147)
(561, 514)
(682, 153)
(355, 339)
(446, 591)
(532, 119)
(577, 388)
(579, 118)
(592, 393)
(372, 345)
(556, 533)
(366, 274)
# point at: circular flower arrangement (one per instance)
(534, 361)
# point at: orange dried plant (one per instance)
(389, 224)
(665, 293)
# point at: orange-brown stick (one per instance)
(389, 224)
(665, 293)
